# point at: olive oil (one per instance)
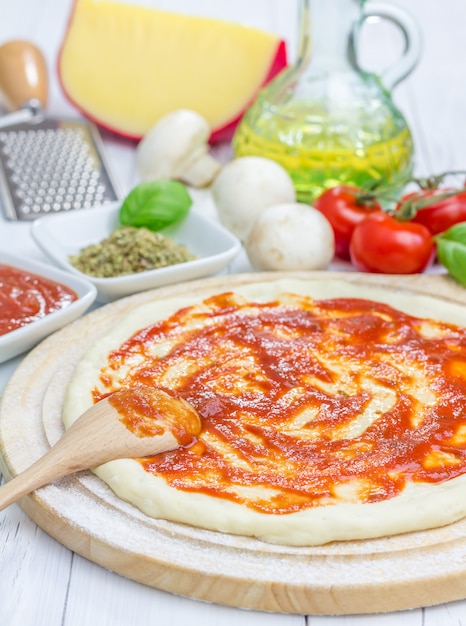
(320, 151)
(327, 119)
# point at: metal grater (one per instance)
(52, 165)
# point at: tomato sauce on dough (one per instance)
(26, 297)
(305, 402)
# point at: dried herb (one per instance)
(129, 250)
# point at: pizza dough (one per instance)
(244, 476)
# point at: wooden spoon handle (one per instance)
(45, 470)
(113, 428)
(23, 75)
(89, 442)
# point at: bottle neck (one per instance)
(325, 33)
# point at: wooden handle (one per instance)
(81, 448)
(99, 436)
(45, 470)
(23, 75)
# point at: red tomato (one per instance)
(441, 214)
(382, 244)
(344, 207)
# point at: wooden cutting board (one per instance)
(81, 512)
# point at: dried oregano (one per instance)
(129, 250)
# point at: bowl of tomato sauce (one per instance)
(36, 299)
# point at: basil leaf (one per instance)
(155, 205)
(451, 251)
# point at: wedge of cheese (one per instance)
(125, 66)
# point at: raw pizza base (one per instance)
(418, 507)
(354, 577)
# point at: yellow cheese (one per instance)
(126, 66)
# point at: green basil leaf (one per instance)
(451, 251)
(155, 205)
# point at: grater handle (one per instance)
(23, 75)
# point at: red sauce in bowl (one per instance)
(26, 297)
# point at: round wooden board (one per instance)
(81, 512)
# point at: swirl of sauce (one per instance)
(305, 403)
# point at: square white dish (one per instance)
(62, 235)
(26, 337)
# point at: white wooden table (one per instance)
(43, 583)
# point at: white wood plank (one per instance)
(101, 597)
(284, 21)
(452, 614)
(34, 573)
(436, 91)
(406, 618)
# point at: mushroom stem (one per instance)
(177, 148)
(201, 171)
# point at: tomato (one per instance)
(344, 207)
(382, 244)
(442, 213)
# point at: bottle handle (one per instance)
(399, 70)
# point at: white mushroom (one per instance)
(177, 148)
(291, 236)
(246, 186)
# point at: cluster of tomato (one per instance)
(400, 240)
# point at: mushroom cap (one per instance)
(291, 236)
(246, 186)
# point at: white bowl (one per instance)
(26, 337)
(65, 234)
